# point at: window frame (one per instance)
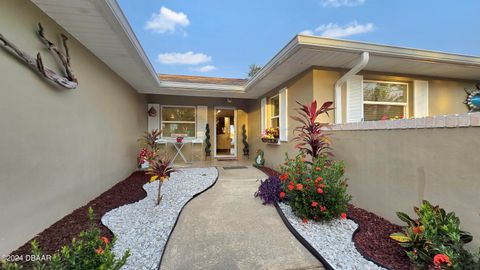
(270, 111)
(386, 103)
(178, 122)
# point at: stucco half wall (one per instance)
(394, 170)
(59, 148)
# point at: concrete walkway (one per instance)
(227, 228)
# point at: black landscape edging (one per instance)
(314, 252)
(178, 216)
(302, 240)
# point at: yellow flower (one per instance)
(153, 178)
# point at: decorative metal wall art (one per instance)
(473, 98)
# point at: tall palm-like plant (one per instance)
(149, 140)
(160, 169)
(310, 136)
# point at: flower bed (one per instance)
(144, 227)
(63, 231)
(372, 237)
(332, 241)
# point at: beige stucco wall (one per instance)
(299, 89)
(447, 97)
(59, 148)
(393, 170)
(239, 104)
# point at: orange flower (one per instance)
(299, 186)
(105, 240)
(318, 168)
(282, 195)
(314, 204)
(319, 179)
(99, 251)
(417, 230)
(284, 177)
(323, 208)
(319, 190)
(343, 216)
(440, 259)
(305, 220)
(290, 187)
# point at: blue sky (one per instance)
(222, 38)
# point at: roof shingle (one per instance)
(201, 79)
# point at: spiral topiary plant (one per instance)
(244, 140)
(207, 141)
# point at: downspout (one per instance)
(338, 85)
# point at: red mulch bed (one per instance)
(268, 171)
(63, 231)
(374, 242)
(372, 239)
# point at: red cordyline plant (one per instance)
(310, 136)
(160, 169)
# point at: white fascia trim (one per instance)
(338, 85)
(391, 51)
(121, 19)
(279, 58)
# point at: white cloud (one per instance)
(339, 3)
(166, 21)
(188, 58)
(205, 69)
(333, 30)
(307, 33)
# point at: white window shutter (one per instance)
(355, 99)
(202, 120)
(263, 111)
(153, 122)
(420, 98)
(283, 101)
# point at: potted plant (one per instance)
(270, 135)
(150, 148)
(207, 141)
(244, 140)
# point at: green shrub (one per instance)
(89, 251)
(434, 239)
(315, 190)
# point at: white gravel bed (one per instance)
(143, 228)
(333, 240)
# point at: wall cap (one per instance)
(440, 121)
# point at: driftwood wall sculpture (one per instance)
(68, 80)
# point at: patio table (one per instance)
(178, 146)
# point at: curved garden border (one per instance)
(305, 243)
(302, 240)
(180, 213)
(368, 258)
(312, 250)
(65, 229)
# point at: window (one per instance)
(178, 121)
(384, 100)
(275, 111)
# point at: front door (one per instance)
(225, 132)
